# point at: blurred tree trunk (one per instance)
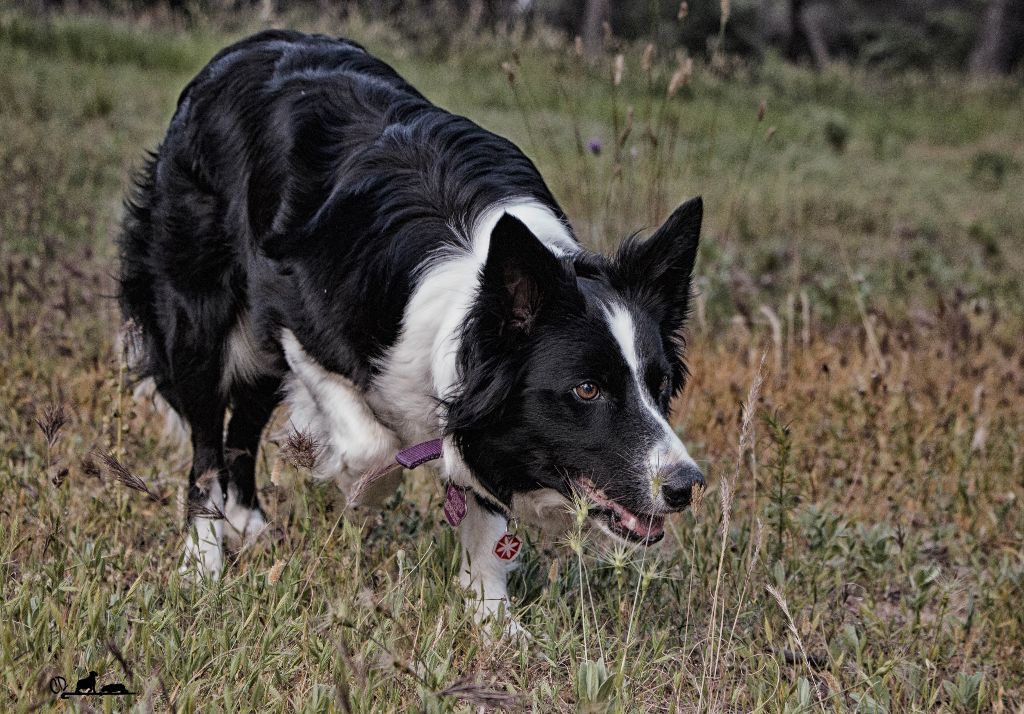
(1001, 41)
(805, 35)
(797, 46)
(815, 38)
(595, 14)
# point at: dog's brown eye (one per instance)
(588, 391)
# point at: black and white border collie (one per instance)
(312, 230)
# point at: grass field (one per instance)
(857, 398)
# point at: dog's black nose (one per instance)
(678, 487)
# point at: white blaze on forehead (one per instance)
(667, 449)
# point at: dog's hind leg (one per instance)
(203, 407)
(252, 405)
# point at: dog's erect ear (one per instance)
(656, 271)
(521, 280)
(520, 277)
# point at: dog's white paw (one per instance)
(498, 613)
(204, 553)
(244, 525)
(514, 630)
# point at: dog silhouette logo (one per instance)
(114, 688)
(86, 687)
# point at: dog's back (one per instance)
(307, 151)
(243, 166)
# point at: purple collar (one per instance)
(507, 546)
(419, 454)
(455, 496)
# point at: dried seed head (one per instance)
(681, 77)
(131, 344)
(578, 46)
(207, 479)
(301, 450)
(758, 542)
(475, 694)
(368, 479)
(366, 599)
(627, 129)
(122, 475)
(725, 5)
(180, 503)
(725, 497)
(210, 511)
(53, 420)
(581, 509)
(274, 573)
(58, 474)
(675, 83)
(510, 72)
(119, 656)
(647, 60)
(90, 467)
(618, 69)
(769, 134)
(762, 108)
(749, 407)
(698, 498)
(684, 10)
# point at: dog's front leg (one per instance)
(482, 572)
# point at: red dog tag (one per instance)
(508, 546)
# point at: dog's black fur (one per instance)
(304, 185)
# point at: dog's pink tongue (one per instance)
(643, 526)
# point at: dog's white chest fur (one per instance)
(421, 368)
(358, 429)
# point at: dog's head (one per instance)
(569, 366)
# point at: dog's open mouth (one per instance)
(634, 527)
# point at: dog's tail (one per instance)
(138, 338)
(131, 349)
